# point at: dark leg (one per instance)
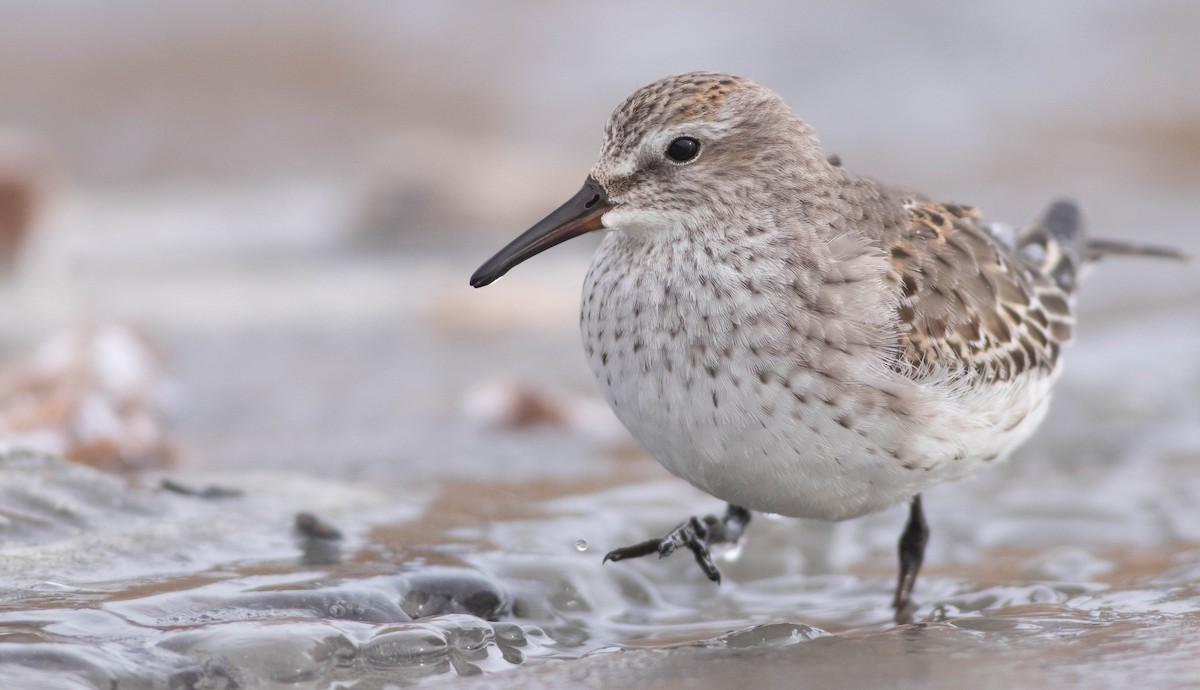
(697, 534)
(912, 552)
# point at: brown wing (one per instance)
(969, 303)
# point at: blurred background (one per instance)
(287, 197)
(235, 237)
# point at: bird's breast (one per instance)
(736, 376)
(772, 387)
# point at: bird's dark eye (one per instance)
(683, 149)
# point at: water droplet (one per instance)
(581, 545)
(734, 552)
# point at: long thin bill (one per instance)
(580, 215)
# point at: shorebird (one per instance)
(796, 339)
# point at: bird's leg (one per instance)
(697, 534)
(912, 553)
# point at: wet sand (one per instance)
(323, 355)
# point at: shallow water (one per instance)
(1078, 560)
(366, 387)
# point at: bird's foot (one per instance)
(695, 533)
(912, 554)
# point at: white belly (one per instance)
(739, 398)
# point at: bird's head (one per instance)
(679, 155)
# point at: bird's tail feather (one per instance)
(1096, 249)
(1057, 245)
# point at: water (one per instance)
(386, 478)
(1082, 550)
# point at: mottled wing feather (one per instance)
(969, 303)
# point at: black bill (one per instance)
(581, 214)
